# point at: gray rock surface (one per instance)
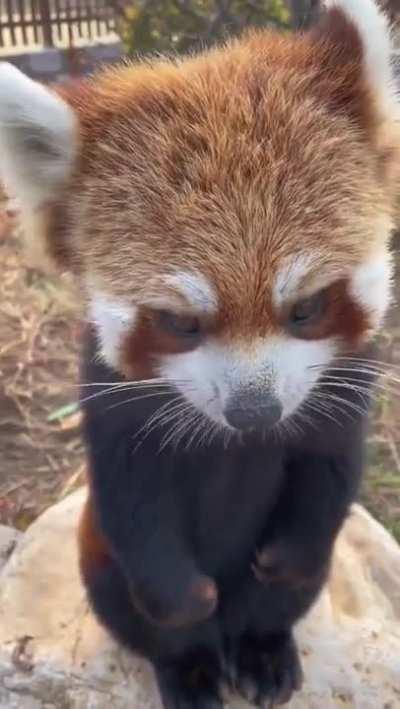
(54, 655)
(8, 540)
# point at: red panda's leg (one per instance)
(163, 586)
(94, 553)
(186, 660)
(106, 587)
(261, 656)
(137, 508)
(314, 504)
(294, 562)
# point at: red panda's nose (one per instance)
(246, 410)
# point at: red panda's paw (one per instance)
(194, 684)
(265, 671)
(182, 608)
(286, 562)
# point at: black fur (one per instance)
(175, 519)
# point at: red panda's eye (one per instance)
(179, 325)
(308, 310)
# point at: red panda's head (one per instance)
(228, 214)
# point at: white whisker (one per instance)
(288, 427)
(167, 415)
(201, 423)
(215, 429)
(370, 362)
(358, 386)
(350, 404)
(126, 386)
(324, 410)
(153, 420)
(383, 377)
(179, 428)
(208, 427)
(133, 382)
(138, 398)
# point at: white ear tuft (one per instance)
(37, 139)
(112, 319)
(374, 30)
(371, 287)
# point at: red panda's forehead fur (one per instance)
(227, 165)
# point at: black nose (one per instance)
(253, 411)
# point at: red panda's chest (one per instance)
(227, 500)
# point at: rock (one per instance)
(53, 654)
(8, 540)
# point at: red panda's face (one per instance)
(228, 215)
(250, 356)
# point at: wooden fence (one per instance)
(50, 23)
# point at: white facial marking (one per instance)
(294, 275)
(370, 287)
(283, 366)
(37, 138)
(179, 292)
(196, 289)
(113, 320)
(373, 27)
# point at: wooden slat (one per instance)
(22, 21)
(57, 18)
(88, 15)
(97, 13)
(79, 18)
(69, 22)
(2, 13)
(46, 22)
(10, 24)
(35, 21)
(104, 14)
(110, 21)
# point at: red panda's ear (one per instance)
(38, 147)
(356, 78)
(356, 45)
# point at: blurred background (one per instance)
(41, 453)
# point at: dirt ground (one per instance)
(41, 453)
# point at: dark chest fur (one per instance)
(220, 497)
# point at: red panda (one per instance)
(228, 218)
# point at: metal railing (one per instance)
(50, 23)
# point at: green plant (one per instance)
(184, 25)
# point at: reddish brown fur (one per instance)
(345, 319)
(146, 341)
(94, 552)
(342, 318)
